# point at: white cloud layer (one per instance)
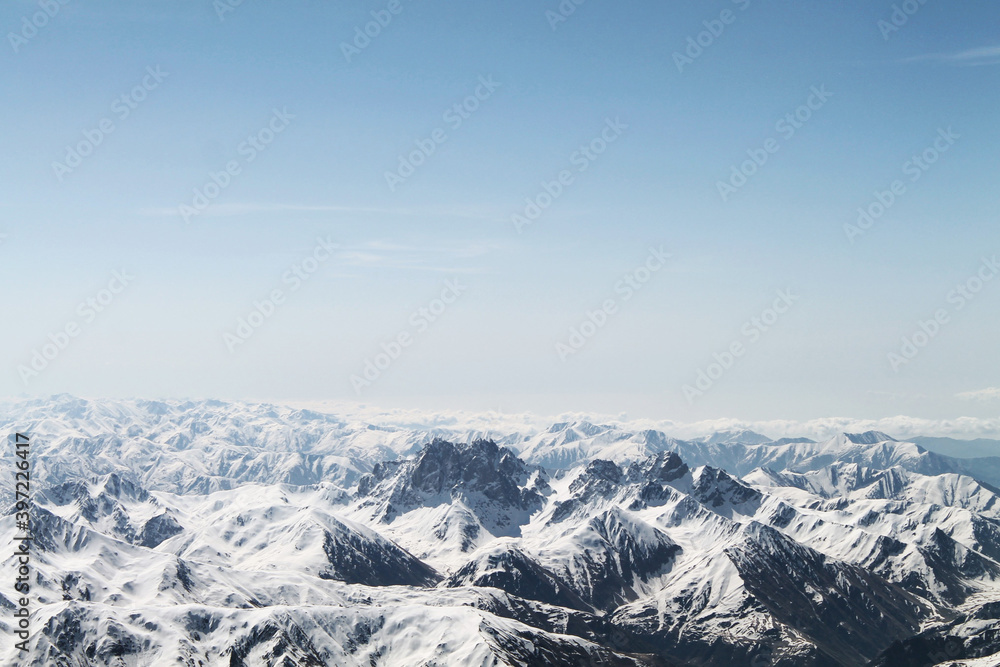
(900, 427)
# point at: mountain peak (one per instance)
(664, 467)
(736, 436)
(495, 484)
(869, 438)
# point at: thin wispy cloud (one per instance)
(378, 261)
(223, 210)
(982, 395)
(455, 250)
(244, 208)
(380, 254)
(984, 55)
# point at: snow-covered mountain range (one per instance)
(213, 533)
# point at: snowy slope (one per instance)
(247, 534)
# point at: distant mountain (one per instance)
(737, 437)
(962, 449)
(740, 452)
(869, 438)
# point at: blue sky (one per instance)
(345, 122)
